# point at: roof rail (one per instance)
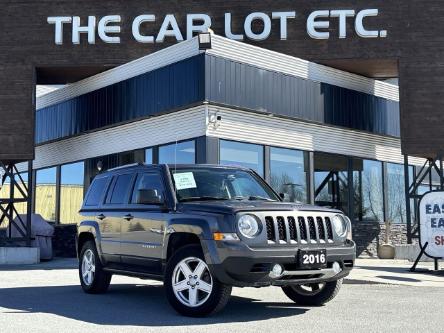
(126, 166)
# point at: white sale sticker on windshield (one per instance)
(184, 180)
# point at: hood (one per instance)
(235, 206)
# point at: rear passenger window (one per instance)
(96, 191)
(121, 189)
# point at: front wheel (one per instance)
(315, 294)
(190, 288)
(93, 278)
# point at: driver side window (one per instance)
(148, 181)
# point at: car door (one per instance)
(108, 227)
(112, 214)
(143, 232)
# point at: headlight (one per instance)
(340, 225)
(248, 226)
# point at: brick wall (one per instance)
(368, 235)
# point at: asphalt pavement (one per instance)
(47, 298)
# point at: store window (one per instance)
(71, 192)
(149, 156)
(5, 191)
(289, 173)
(45, 193)
(242, 154)
(180, 153)
(368, 190)
(331, 181)
(396, 201)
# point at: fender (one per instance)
(91, 227)
(201, 227)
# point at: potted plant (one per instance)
(386, 250)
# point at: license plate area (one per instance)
(312, 259)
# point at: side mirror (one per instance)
(282, 195)
(149, 197)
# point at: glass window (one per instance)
(148, 181)
(331, 181)
(180, 153)
(288, 173)
(121, 189)
(96, 191)
(149, 156)
(242, 154)
(45, 193)
(71, 192)
(368, 188)
(396, 203)
(216, 183)
(5, 191)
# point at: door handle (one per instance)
(101, 217)
(128, 217)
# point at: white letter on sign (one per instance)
(173, 32)
(283, 16)
(312, 25)
(136, 28)
(90, 29)
(228, 32)
(342, 14)
(104, 29)
(203, 27)
(359, 24)
(59, 21)
(248, 28)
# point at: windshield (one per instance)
(197, 184)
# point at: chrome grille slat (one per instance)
(290, 229)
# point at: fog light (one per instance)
(276, 271)
(336, 267)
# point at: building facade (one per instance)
(317, 134)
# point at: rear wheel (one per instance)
(93, 278)
(314, 294)
(191, 289)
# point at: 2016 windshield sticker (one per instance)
(184, 180)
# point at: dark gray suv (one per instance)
(202, 229)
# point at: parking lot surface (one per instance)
(47, 298)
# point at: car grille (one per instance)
(299, 229)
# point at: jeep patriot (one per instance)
(202, 229)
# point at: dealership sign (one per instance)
(431, 215)
(318, 24)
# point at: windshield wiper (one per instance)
(253, 197)
(203, 198)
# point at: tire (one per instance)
(316, 297)
(95, 280)
(198, 296)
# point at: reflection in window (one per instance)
(242, 154)
(5, 193)
(396, 203)
(45, 193)
(149, 156)
(180, 153)
(71, 192)
(331, 181)
(288, 173)
(369, 193)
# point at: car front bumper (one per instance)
(239, 265)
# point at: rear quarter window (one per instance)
(96, 192)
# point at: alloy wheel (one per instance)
(88, 267)
(192, 282)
